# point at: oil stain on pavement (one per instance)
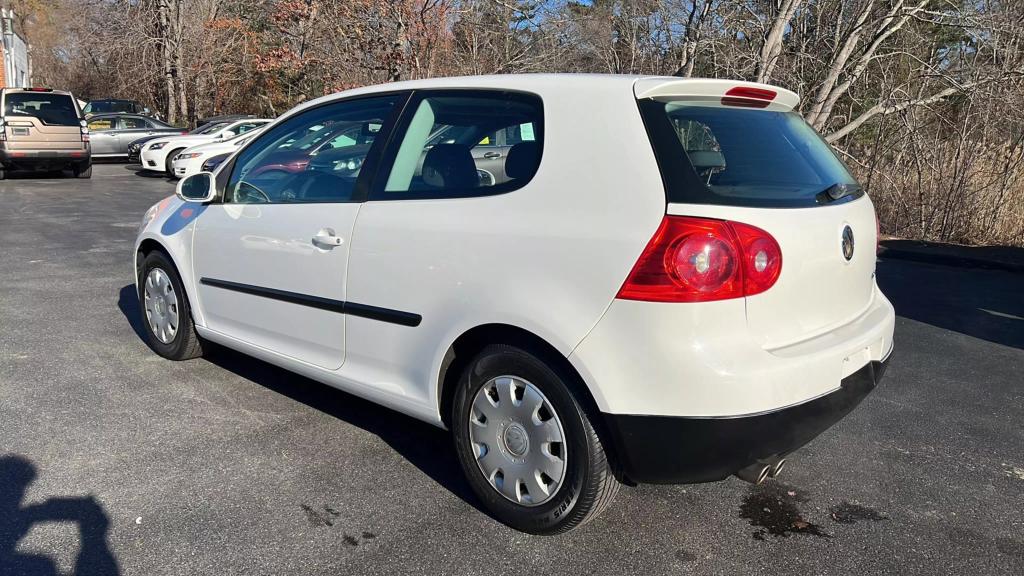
(772, 509)
(318, 518)
(848, 513)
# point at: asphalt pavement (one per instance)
(113, 460)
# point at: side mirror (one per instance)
(225, 134)
(199, 187)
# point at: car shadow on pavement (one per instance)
(128, 303)
(137, 169)
(17, 520)
(38, 175)
(427, 447)
(985, 304)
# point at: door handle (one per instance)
(327, 238)
(492, 155)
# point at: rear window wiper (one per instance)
(837, 191)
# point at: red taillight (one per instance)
(700, 259)
(748, 97)
(762, 258)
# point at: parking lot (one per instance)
(228, 465)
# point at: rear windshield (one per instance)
(50, 109)
(714, 154)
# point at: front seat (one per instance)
(450, 166)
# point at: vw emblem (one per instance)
(848, 243)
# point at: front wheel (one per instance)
(169, 161)
(526, 444)
(166, 316)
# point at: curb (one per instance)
(951, 255)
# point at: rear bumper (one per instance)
(44, 158)
(679, 450)
(654, 359)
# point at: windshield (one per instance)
(50, 109)
(209, 128)
(741, 156)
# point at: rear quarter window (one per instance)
(445, 145)
(709, 153)
(50, 109)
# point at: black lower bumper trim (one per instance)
(44, 159)
(682, 450)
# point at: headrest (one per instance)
(450, 166)
(522, 160)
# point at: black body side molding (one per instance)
(339, 306)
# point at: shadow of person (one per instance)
(128, 303)
(94, 557)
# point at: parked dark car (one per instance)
(213, 161)
(113, 133)
(113, 105)
(224, 118)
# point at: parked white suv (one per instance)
(587, 279)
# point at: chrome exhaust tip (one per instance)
(755, 473)
(777, 468)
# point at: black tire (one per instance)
(185, 344)
(589, 485)
(3, 173)
(83, 172)
(169, 161)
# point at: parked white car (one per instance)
(190, 160)
(158, 155)
(587, 279)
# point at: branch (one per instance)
(886, 108)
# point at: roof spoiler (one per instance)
(729, 92)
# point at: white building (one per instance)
(17, 66)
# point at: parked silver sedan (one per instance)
(111, 133)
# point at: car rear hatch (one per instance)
(738, 152)
(43, 121)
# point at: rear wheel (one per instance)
(165, 313)
(526, 445)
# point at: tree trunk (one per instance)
(772, 46)
(167, 58)
(178, 62)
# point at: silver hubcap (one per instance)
(161, 305)
(519, 440)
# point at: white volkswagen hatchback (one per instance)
(589, 280)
